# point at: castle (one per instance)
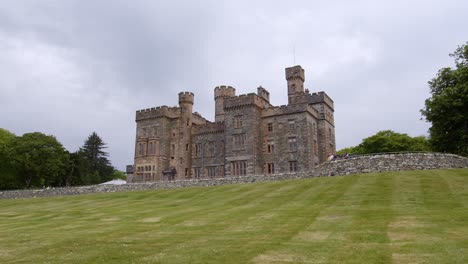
(249, 135)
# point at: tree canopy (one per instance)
(40, 159)
(388, 141)
(9, 178)
(36, 160)
(91, 162)
(447, 107)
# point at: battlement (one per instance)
(290, 109)
(244, 100)
(321, 97)
(295, 72)
(209, 128)
(160, 111)
(186, 97)
(263, 93)
(224, 91)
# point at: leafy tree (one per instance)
(40, 159)
(9, 177)
(447, 107)
(388, 141)
(92, 163)
(119, 175)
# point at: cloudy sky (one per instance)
(68, 68)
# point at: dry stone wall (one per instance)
(354, 165)
(391, 162)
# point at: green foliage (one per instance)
(347, 150)
(90, 163)
(119, 175)
(9, 177)
(447, 107)
(37, 160)
(40, 159)
(5, 136)
(388, 141)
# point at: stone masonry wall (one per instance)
(354, 165)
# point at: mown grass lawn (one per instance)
(398, 217)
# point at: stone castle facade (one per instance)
(249, 135)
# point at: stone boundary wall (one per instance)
(354, 165)
(391, 162)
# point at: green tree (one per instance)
(92, 163)
(388, 141)
(447, 107)
(40, 159)
(9, 177)
(119, 175)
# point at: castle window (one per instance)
(211, 172)
(291, 124)
(140, 149)
(293, 166)
(315, 147)
(186, 171)
(210, 149)
(271, 147)
(238, 121)
(239, 168)
(271, 168)
(172, 149)
(239, 141)
(186, 147)
(151, 148)
(197, 172)
(198, 150)
(270, 127)
(292, 144)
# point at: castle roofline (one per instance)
(290, 109)
(160, 111)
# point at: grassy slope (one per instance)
(401, 217)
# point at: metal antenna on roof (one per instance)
(294, 54)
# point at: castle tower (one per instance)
(184, 162)
(220, 93)
(295, 77)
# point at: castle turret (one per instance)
(184, 162)
(220, 93)
(295, 77)
(263, 93)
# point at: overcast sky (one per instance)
(68, 68)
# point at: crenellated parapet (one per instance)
(224, 91)
(243, 100)
(295, 72)
(290, 109)
(209, 128)
(155, 112)
(186, 97)
(263, 93)
(321, 97)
